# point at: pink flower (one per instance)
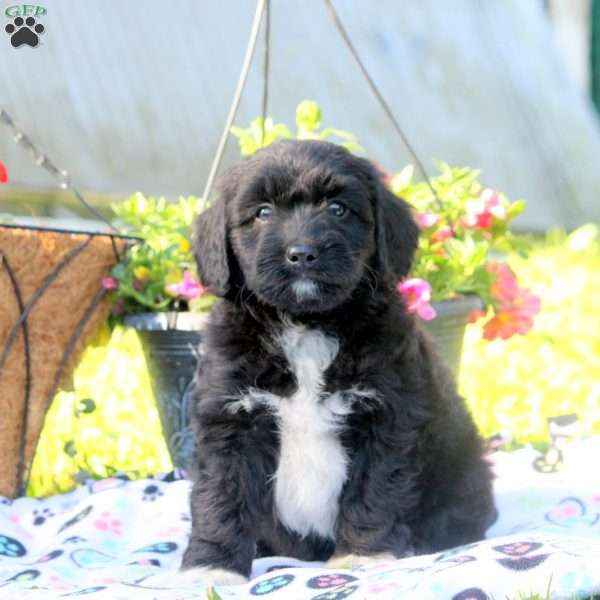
(417, 294)
(110, 283)
(3, 173)
(442, 234)
(516, 306)
(505, 287)
(188, 287)
(481, 213)
(426, 220)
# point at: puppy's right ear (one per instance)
(211, 241)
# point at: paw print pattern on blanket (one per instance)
(571, 512)
(151, 493)
(337, 594)
(471, 594)
(41, 516)
(105, 522)
(11, 547)
(273, 584)
(322, 582)
(517, 558)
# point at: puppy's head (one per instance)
(301, 225)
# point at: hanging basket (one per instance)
(51, 302)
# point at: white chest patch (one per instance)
(312, 465)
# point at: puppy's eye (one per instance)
(264, 213)
(337, 209)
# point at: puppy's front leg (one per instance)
(222, 543)
(371, 525)
(369, 544)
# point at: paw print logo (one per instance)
(267, 586)
(40, 516)
(151, 493)
(105, 523)
(24, 32)
(329, 580)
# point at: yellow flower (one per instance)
(184, 245)
(142, 272)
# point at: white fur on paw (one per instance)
(209, 576)
(353, 561)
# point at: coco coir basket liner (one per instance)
(51, 302)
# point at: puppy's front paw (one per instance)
(211, 576)
(353, 561)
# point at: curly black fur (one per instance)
(416, 479)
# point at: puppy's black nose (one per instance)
(301, 255)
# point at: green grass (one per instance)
(510, 385)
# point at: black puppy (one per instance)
(326, 424)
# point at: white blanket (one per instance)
(122, 539)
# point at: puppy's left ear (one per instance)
(397, 234)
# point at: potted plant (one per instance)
(458, 269)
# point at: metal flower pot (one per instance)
(448, 328)
(171, 342)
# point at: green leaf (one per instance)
(211, 594)
(403, 180)
(516, 208)
(308, 116)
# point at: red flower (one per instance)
(481, 213)
(505, 324)
(475, 315)
(3, 174)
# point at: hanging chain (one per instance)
(42, 160)
(266, 69)
(260, 8)
(388, 111)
